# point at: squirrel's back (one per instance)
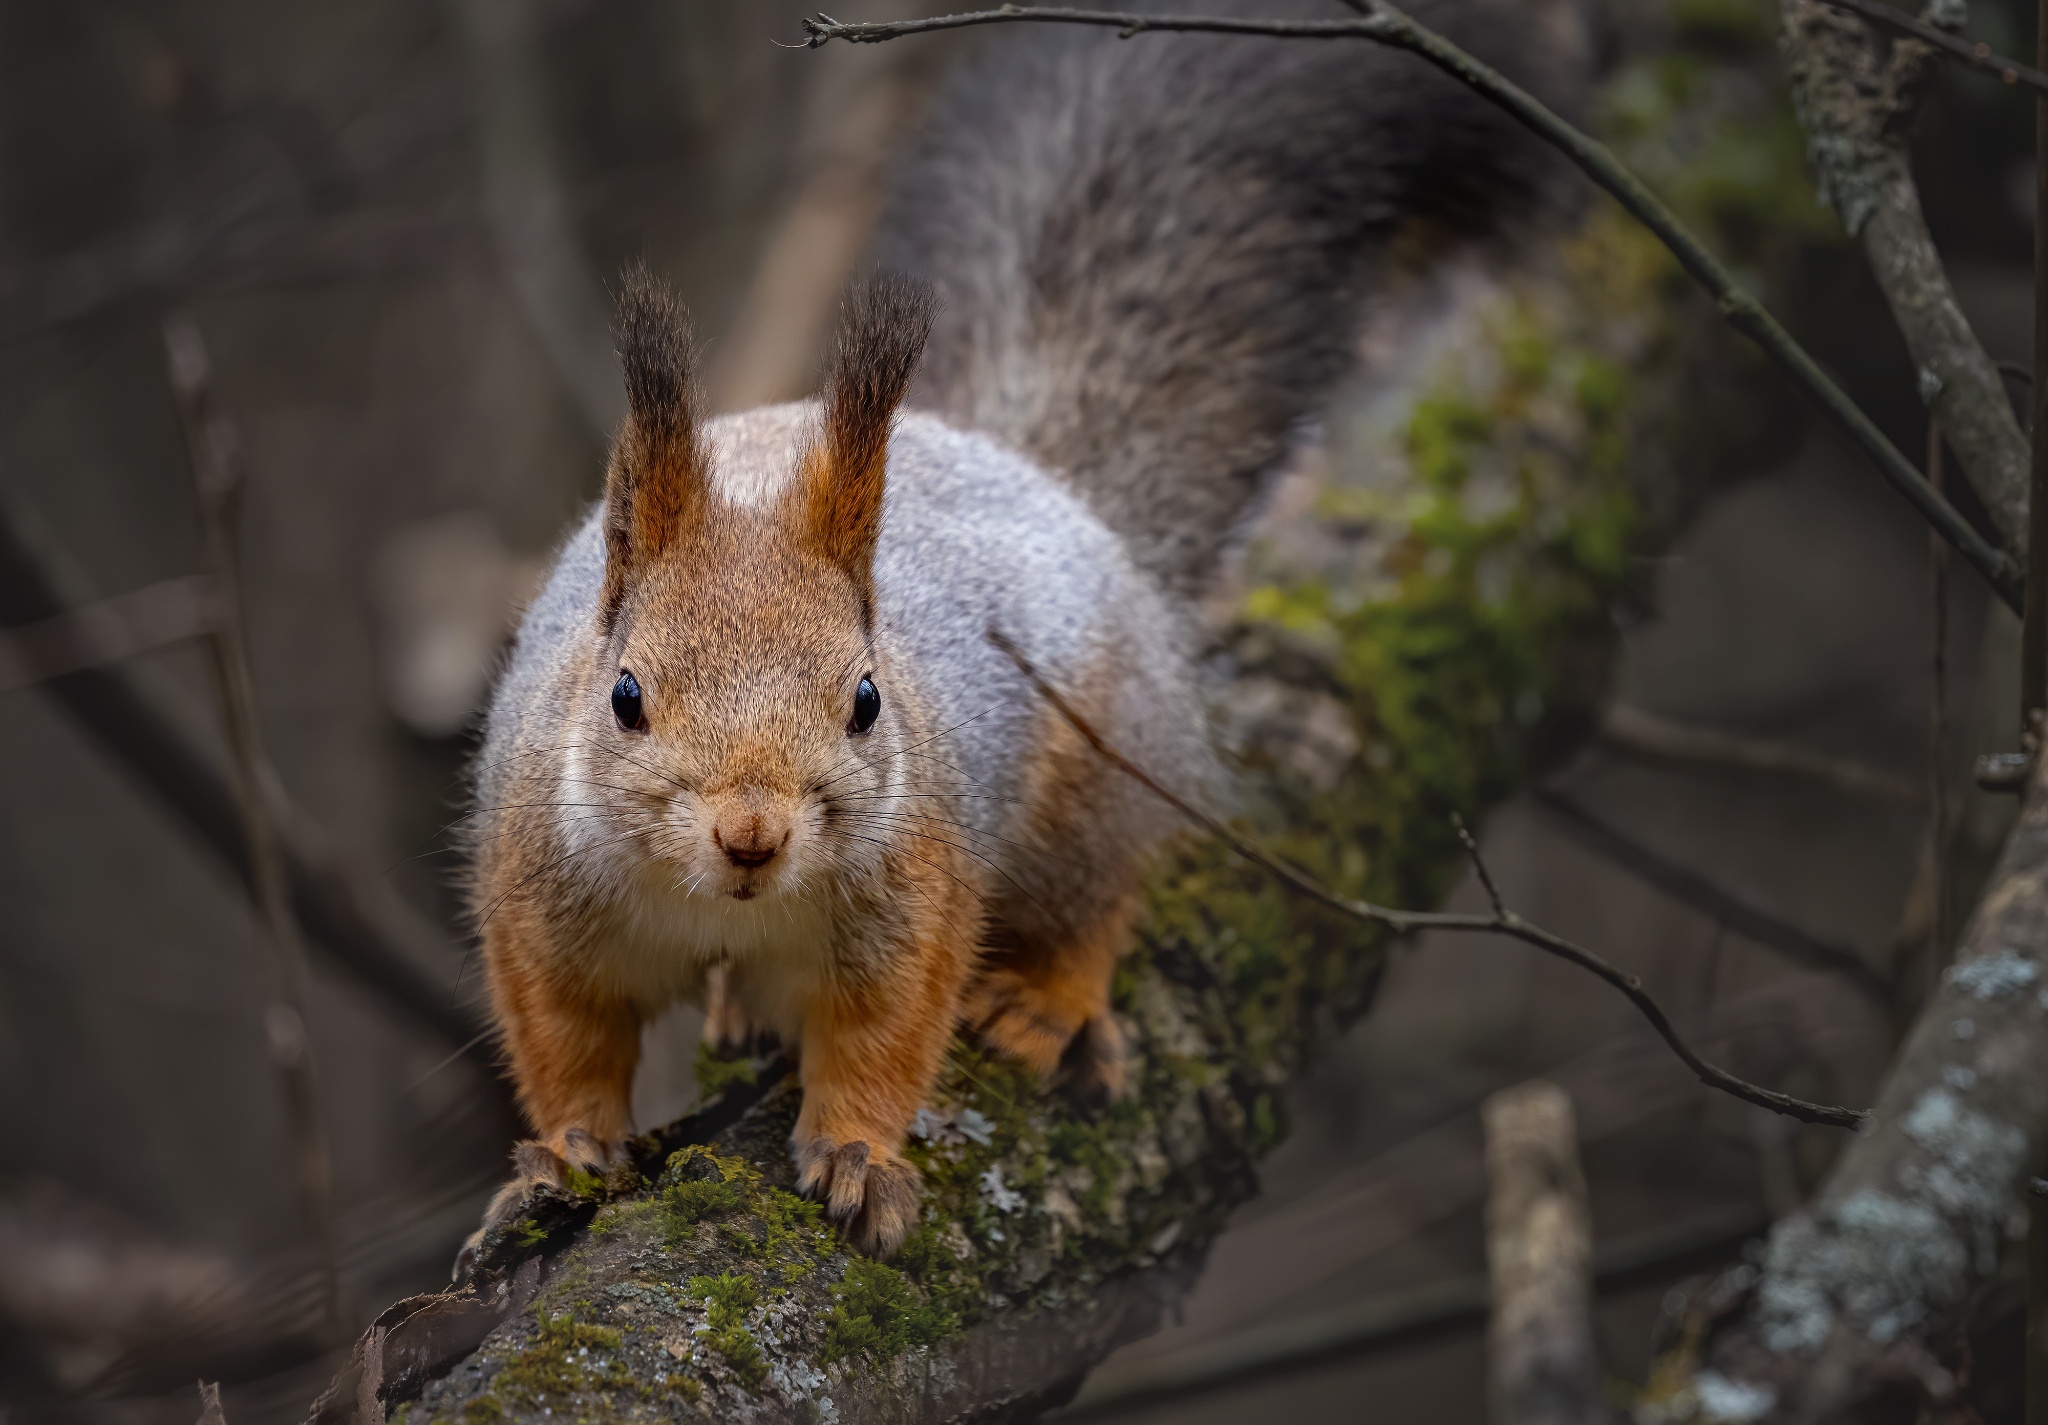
(1151, 253)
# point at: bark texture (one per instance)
(1858, 1296)
(1543, 1367)
(1856, 91)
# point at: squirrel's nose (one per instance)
(752, 845)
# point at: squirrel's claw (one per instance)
(869, 1192)
(534, 1166)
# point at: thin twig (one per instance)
(1501, 922)
(217, 479)
(1937, 734)
(1974, 54)
(1479, 865)
(1383, 24)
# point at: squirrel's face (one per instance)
(743, 727)
(749, 724)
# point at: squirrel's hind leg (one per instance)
(1046, 1002)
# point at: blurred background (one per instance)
(393, 226)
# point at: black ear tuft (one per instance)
(882, 332)
(658, 349)
(658, 474)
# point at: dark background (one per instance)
(393, 224)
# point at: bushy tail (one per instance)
(1152, 252)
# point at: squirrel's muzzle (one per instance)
(750, 841)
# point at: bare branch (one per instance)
(1646, 734)
(1976, 55)
(1856, 98)
(1383, 24)
(217, 478)
(1478, 864)
(1907, 1228)
(108, 631)
(1542, 1365)
(1501, 922)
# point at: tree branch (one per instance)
(1856, 97)
(1858, 1292)
(1542, 1365)
(1974, 54)
(1502, 922)
(1383, 24)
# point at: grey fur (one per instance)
(1152, 252)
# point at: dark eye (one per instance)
(626, 703)
(867, 705)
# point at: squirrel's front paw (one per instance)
(534, 1166)
(867, 1190)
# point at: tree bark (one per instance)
(1542, 1364)
(1859, 1295)
(1856, 91)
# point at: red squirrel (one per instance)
(755, 745)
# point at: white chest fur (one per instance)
(656, 941)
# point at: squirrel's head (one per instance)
(743, 722)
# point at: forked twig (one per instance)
(1501, 922)
(1382, 23)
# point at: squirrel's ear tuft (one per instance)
(658, 475)
(882, 332)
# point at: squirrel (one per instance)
(754, 744)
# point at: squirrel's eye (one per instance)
(867, 705)
(626, 703)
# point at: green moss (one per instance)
(727, 1300)
(777, 1229)
(876, 1314)
(530, 1233)
(567, 1358)
(700, 1185)
(715, 1073)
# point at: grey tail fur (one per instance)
(1152, 253)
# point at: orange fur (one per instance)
(572, 1051)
